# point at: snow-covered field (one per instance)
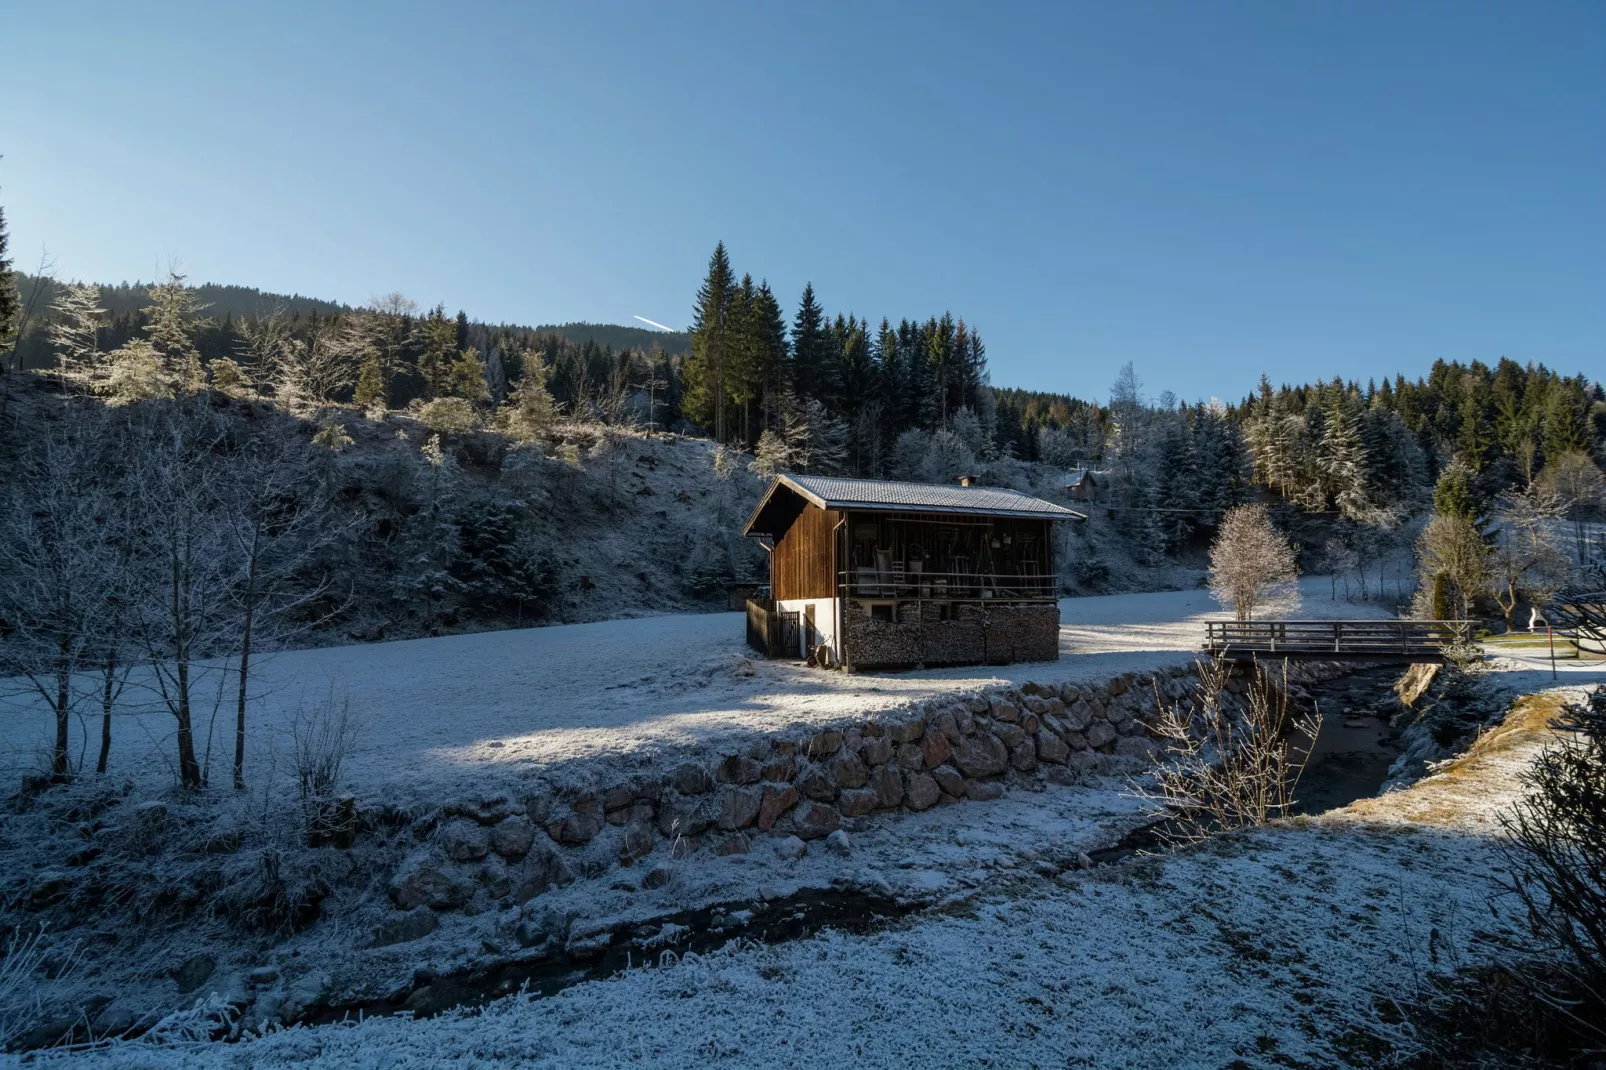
(450, 711)
(1263, 948)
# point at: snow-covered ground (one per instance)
(1263, 948)
(450, 711)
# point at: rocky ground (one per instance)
(1290, 945)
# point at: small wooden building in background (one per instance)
(870, 573)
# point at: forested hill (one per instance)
(240, 302)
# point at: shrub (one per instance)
(1555, 850)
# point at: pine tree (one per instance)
(812, 373)
(530, 410)
(777, 354)
(370, 393)
(711, 339)
(467, 379)
(439, 337)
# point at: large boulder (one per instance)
(856, 802)
(825, 744)
(907, 731)
(982, 755)
(574, 829)
(778, 799)
(877, 750)
(949, 780)
(739, 807)
(1024, 756)
(936, 748)
(427, 879)
(814, 821)
(739, 769)
(635, 844)
(512, 838)
(887, 784)
(815, 783)
(848, 771)
(1051, 748)
(685, 817)
(690, 779)
(922, 792)
(1009, 734)
(540, 870)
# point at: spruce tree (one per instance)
(710, 333)
(370, 392)
(439, 350)
(811, 373)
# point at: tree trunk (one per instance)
(245, 657)
(106, 718)
(61, 763)
(189, 770)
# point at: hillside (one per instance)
(222, 300)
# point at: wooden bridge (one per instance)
(1379, 640)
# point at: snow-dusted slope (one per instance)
(452, 711)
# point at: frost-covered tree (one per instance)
(909, 453)
(187, 568)
(421, 574)
(530, 411)
(1579, 484)
(276, 522)
(173, 312)
(771, 456)
(77, 317)
(467, 379)
(61, 569)
(1252, 566)
(447, 416)
(137, 372)
(1528, 559)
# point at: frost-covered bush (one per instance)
(1555, 848)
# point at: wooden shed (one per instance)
(871, 573)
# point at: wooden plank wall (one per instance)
(803, 563)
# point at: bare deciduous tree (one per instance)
(1528, 560)
(277, 523)
(188, 564)
(1222, 771)
(1581, 486)
(1252, 565)
(59, 557)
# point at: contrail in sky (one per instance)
(660, 326)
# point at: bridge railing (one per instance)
(1377, 638)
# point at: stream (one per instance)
(1351, 759)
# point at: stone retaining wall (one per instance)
(968, 749)
(977, 634)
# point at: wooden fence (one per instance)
(1336, 640)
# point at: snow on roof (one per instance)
(833, 492)
(1076, 475)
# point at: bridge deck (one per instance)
(1411, 641)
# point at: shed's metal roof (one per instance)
(833, 492)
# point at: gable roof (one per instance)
(882, 495)
(1077, 476)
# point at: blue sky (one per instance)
(1208, 190)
